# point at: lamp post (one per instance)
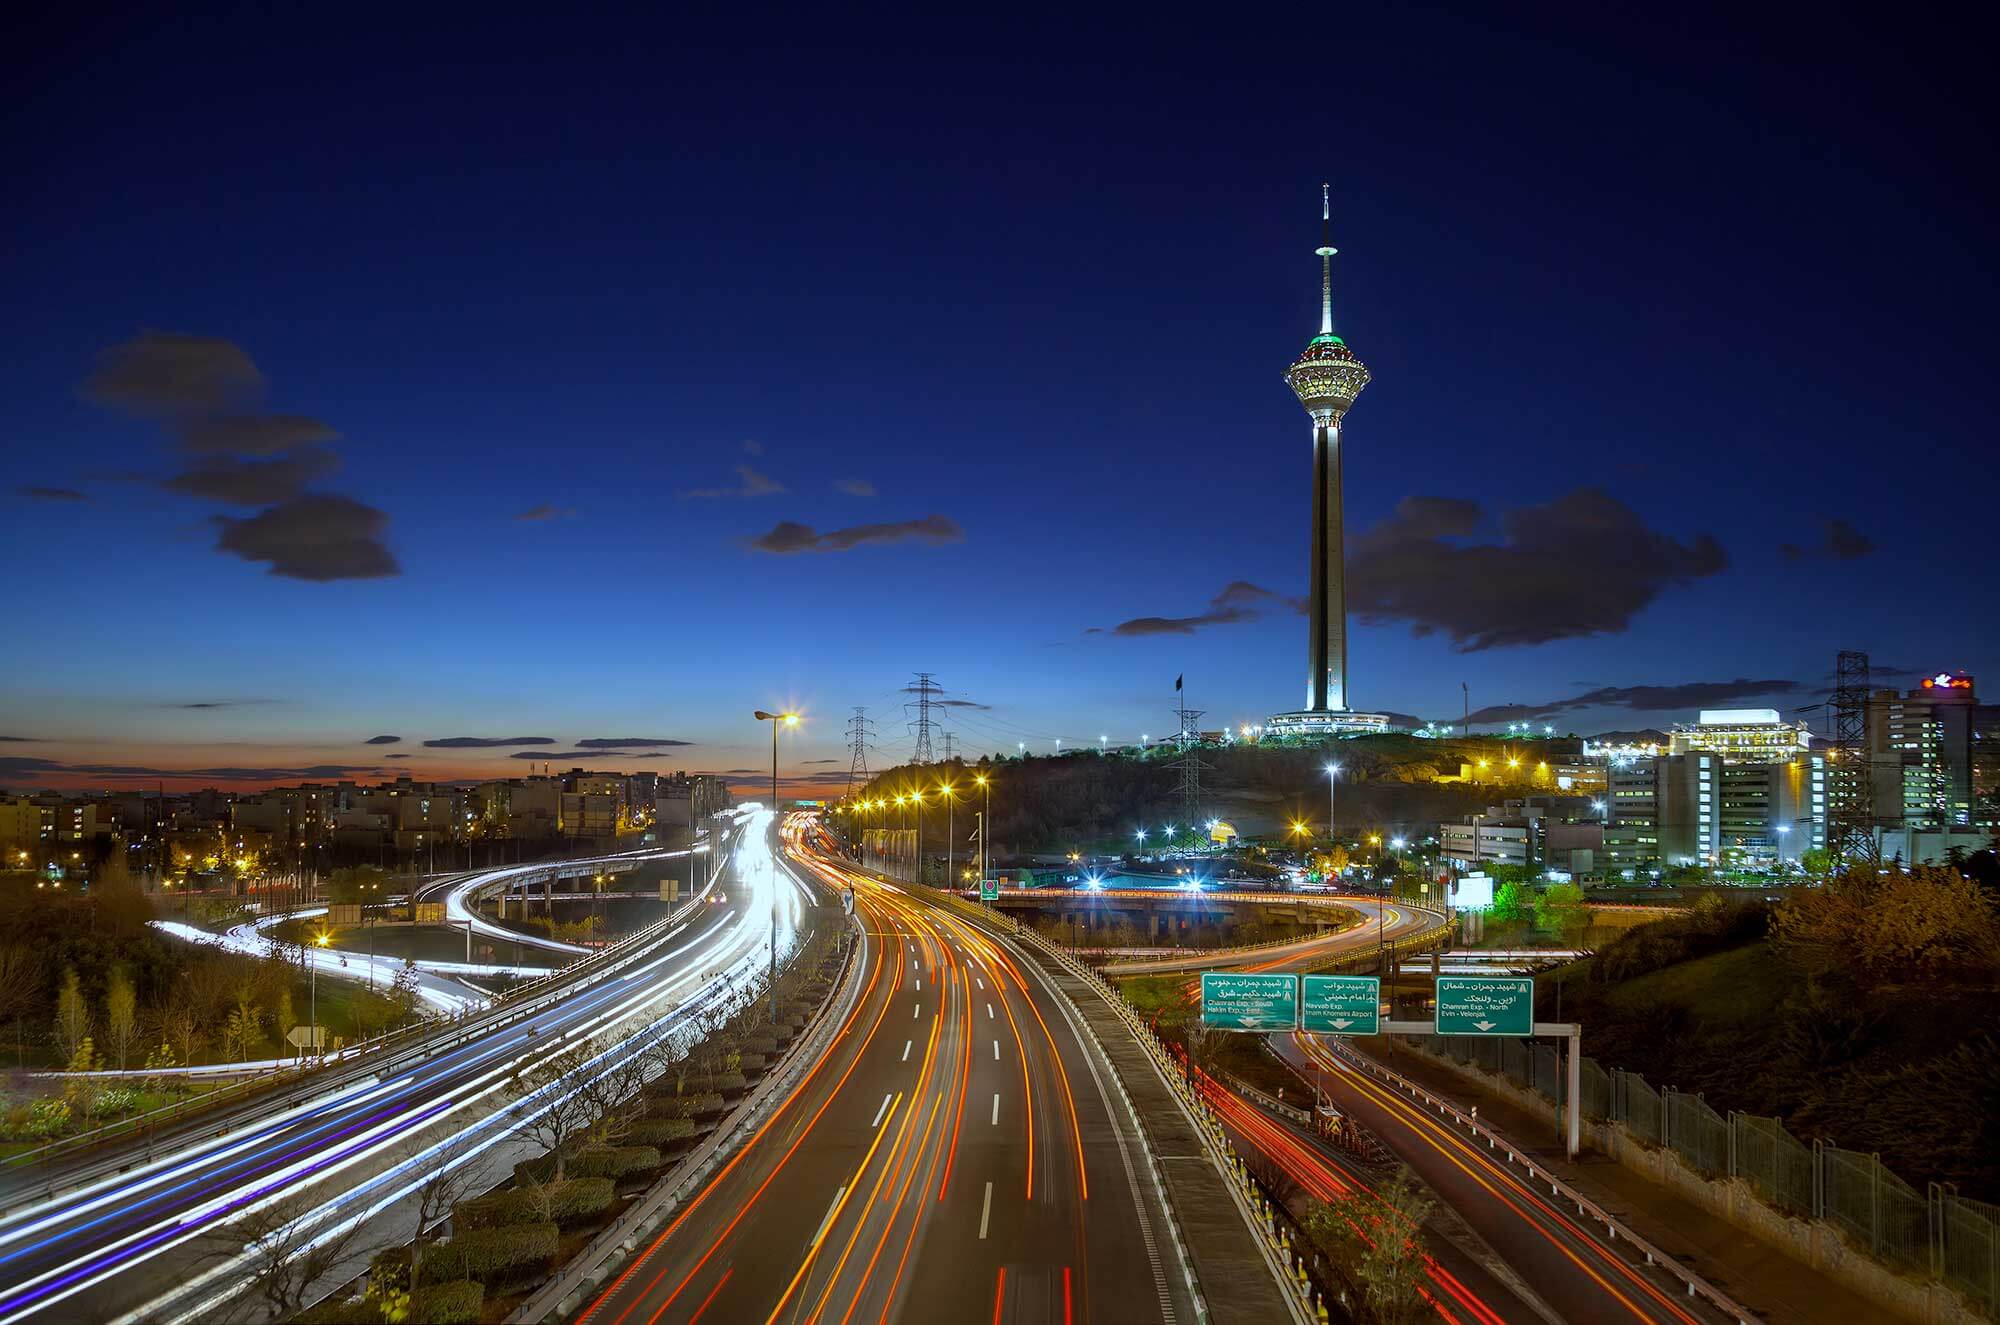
(776, 720)
(950, 830)
(985, 823)
(312, 996)
(1332, 773)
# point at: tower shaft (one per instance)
(1326, 688)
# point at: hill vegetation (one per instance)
(1858, 1012)
(1090, 801)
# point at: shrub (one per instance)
(694, 1104)
(563, 1202)
(614, 1161)
(489, 1253)
(763, 1042)
(661, 1132)
(748, 1064)
(340, 1313)
(454, 1302)
(720, 1083)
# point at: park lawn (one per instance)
(1161, 996)
(1724, 988)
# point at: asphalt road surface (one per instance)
(957, 1155)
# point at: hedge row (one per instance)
(453, 1302)
(613, 1161)
(660, 1132)
(488, 1253)
(563, 1202)
(723, 1083)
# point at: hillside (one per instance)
(1890, 1056)
(1091, 801)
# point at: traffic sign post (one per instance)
(989, 890)
(1341, 1005)
(1236, 1002)
(1485, 1005)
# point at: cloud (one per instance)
(614, 742)
(400, 756)
(750, 483)
(319, 537)
(486, 742)
(961, 704)
(20, 740)
(1583, 564)
(51, 494)
(576, 754)
(251, 434)
(855, 487)
(1839, 541)
(751, 446)
(1239, 601)
(239, 482)
(545, 512)
(820, 761)
(221, 703)
(788, 537)
(383, 740)
(1643, 698)
(159, 374)
(12, 767)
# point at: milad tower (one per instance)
(1327, 378)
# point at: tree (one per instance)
(1873, 926)
(450, 1176)
(1816, 862)
(403, 993)
(1560, 909)
(553, 1112)
(121, 1017)
(244, 1031)
(1509, 903)
(358, 883)
(1376, 1244)
(20, 984)
(72, 1015)
(283, 1252)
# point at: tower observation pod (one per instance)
(1327, 378)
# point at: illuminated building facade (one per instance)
(1327, 378)
(1920, 753)
(1739, 789)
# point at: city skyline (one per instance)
(601, 439)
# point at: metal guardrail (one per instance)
(1614, 1230)
(521, 1001)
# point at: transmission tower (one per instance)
(949, 753)
(858, 728)
(1189, 763)
(1851, 827)
(927, 690)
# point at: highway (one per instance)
(1382, 922)
(956, 1155)
(160, 1240)
(1561, 1269)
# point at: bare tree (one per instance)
(284, 1252)
(1376, 1244)
(551, 1108)
(451, 1177)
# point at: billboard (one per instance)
(1473, 892)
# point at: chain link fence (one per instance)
(1938, 1234)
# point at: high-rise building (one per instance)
(1327, 378)
(1919, 752)
(1739, 789)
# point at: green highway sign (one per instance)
(989, 890)
(1485, 1005)
(1235, 1002)
(1341, 1005)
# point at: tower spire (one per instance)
(1326, 251)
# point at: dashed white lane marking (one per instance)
(996, 1051)
(985, 1210)
(989, 1012)
(831, 1207)
(982, 984)
(996, 1108)
(906, 1049)
(920, 986)
(885, 1107)
(916, 1012)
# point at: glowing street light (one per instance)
(776, 720)
(1332, 774)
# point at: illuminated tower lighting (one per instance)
(1327, 379)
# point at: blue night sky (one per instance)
(979, 328)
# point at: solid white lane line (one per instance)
(985, 1210)
(884, 1109)
(834, 1205)
(996, 1108)
(996, 1051)
(906, 1049)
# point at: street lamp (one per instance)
(950, 831)
(1332, 774)
(985, 823)
(776, 720)
(312, 996)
